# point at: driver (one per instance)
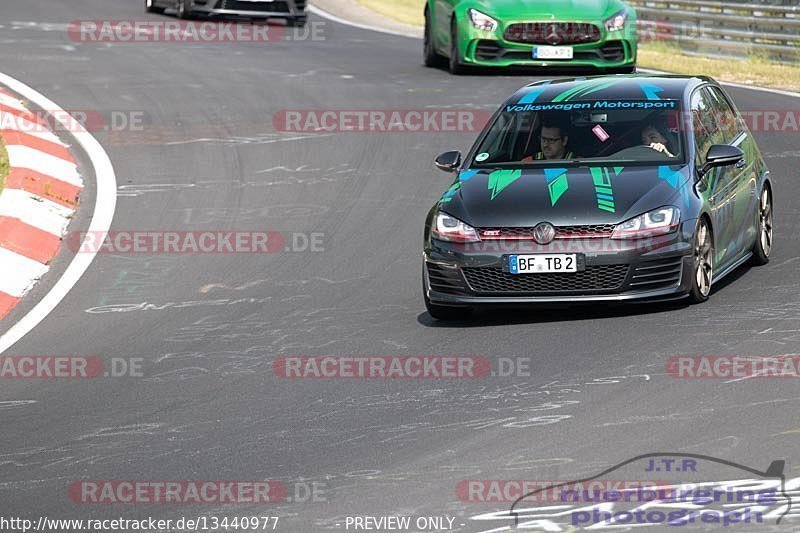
(554, 140)
(655, 138)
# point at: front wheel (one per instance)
(455, 66)
(431, 57)
(703, 264)
(150, 7)
(763, 246)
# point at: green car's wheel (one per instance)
(432, 58)
(456, 68)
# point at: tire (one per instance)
(763, 246)
(297, 22)
(443, 312)
(703, 262)
(149, 7)
(183, 9)
(454, 63)
(431, 56)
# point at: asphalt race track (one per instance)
(209, 406)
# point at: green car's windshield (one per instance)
(593, 132)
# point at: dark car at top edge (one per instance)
(292, 11)
(610, 188)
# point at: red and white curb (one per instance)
(39, 199)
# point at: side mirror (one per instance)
(449, 161)
(721, 155)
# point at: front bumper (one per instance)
(491, 49)
(659, 269)
(255, 9)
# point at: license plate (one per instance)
(553, 52)
(543, 263)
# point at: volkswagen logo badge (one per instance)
(544, 233)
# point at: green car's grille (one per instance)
(552, 33)
(610, 52)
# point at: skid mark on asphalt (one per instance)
(264, 139)
(218, 215)
(16, 404)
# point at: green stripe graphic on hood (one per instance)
(500, 179)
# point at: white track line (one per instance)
(334, 18)
(101, 219)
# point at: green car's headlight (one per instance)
(617, 21)
(482, 21)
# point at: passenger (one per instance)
(654, 137)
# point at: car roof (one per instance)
(626, 87)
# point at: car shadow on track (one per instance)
(541, 313)
(539, 73)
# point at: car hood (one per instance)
(564, 197)
(548, 9)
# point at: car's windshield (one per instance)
(601, 131)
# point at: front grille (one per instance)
(658, 274)
(562, 232)
(260, 7)
(610, 52)
(551, 33)
(447, 280)
(595, 279)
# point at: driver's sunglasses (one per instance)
(551, 140)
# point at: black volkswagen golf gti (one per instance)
(610, 188)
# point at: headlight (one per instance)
(482, 21)
(658, 222)
(617, 21)
(451, 229)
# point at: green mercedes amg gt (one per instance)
(572, 34)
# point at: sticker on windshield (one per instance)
(482, 157)
(600, 133)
